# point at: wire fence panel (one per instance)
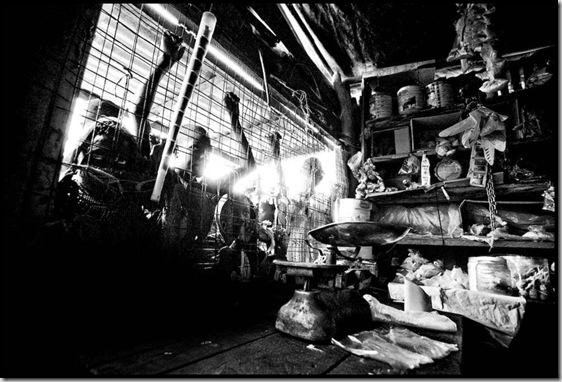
(265, 212)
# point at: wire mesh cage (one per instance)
(265, 208)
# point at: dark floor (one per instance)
(533, 353)
(71, 325)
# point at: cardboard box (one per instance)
(392, 141)
(425, 130)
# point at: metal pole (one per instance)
(204, 36)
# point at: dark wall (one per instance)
(45, 51)
(46, 65)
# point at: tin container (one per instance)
(411, 99)
(351, 210)
(448, 169)
(440, 94)
(380, 105)
(489, 274)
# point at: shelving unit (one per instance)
(459, 190)
(413, 239)
(384, 125)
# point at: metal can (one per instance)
(410, 99)
(380, 105)
(439, 94)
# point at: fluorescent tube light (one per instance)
(213, 50)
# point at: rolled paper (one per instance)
(415, 298)
(204, 36)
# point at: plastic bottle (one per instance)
(425, 174)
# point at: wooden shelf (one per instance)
(529, 141)
(413, 239)
(381, 134)
(442, 67)
(516, 94)
(377, 126)
(418, 153)
(396, 121)
(458, 191)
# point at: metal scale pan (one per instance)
(359, 234)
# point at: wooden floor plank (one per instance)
(277, 355)
(161, 359)
(252, 346)
(94, 359)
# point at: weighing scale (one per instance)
(303, 316)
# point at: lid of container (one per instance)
(409, 88)
(438, 82)
(373, 94)
(448, 169)
(492, 259)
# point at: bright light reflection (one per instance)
(294, 179)
(76, 126)
(234, 66)
(217, 167)
(164, 13)
(212, 49)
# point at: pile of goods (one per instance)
(489, 294)
(417, 268)
(530, 276)
(369, 179)
(512, 222)
(416, 319)
(411, 167)
(548, 195)
(507, 275)
(398, 346)
(476, 36)
(483, 125)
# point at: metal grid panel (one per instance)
(125, 50)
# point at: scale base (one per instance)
(304, 317)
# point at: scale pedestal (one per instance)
(304, 316)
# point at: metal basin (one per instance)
(360, 234)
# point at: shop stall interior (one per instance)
(181, 201)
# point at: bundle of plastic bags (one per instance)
(399, 347)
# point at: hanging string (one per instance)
(439, 216)
(128, 76)
(300, 95)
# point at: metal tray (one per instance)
(361, 234)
